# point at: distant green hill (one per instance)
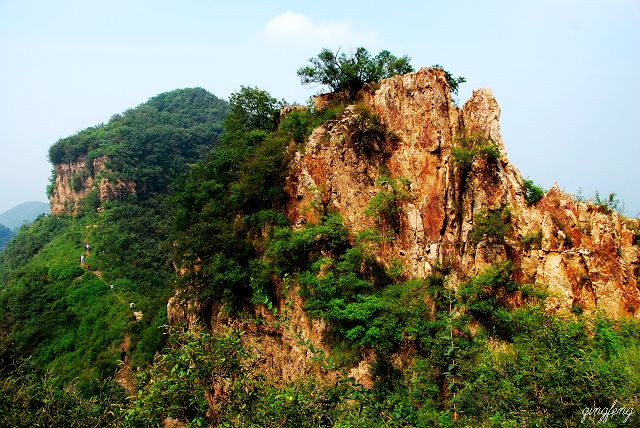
(152, 143)
(23, 213)
(5, 235)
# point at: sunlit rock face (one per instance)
(585, 256)
(74, 180)
(581, 255)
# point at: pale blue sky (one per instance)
(563, 72)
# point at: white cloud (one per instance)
(297, 28)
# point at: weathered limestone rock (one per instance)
(583, 256)
(586, 257)
(74, 180)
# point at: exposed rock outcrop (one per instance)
(583, 255)
(586, 257)
(74, 181)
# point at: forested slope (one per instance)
(71, 316)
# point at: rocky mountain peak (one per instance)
(447, 171)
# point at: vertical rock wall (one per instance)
(74, 180)
(586, 257)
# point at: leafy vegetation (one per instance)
(532, 193)
(386, 206)
(298, 124)
(490, 225)
(151, 143)
(367, 133)
(29, 397)
(225, 202)
(342, 72)
(471, 147)
(40, 270)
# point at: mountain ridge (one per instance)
(373, 259)
(23, 213)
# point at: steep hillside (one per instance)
(138, 152)
(23, 214)
(408, 266)
(66, 305)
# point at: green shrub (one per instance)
(484, 296)
(367, 134)
(490, 225)
(342, 72)
(180, 380)
(470, 147)
(298, 124)
(65, 272)
(386, 206)
(532, 240)
(51, 185)
(78, 179)
(532, 193)
(30, 398)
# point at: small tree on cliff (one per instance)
(453, 81)
(350, 72)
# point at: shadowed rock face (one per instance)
(74, 180)
(586, 257)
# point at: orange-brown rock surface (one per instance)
(586, 257)
(583, 256)
(74, 180)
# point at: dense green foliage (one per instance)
(299, 123)
(490, 225)
(85, 320)
(31, 398)
(226, 200)
(342, 72)
(471, 356)
(64, 314)
(532, 192)
(153, 142)
(386, 206)
(367, 134)
(469, 147)
(251, 111)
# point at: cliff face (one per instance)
(585, 256)
(408, 135)
(74, 180)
